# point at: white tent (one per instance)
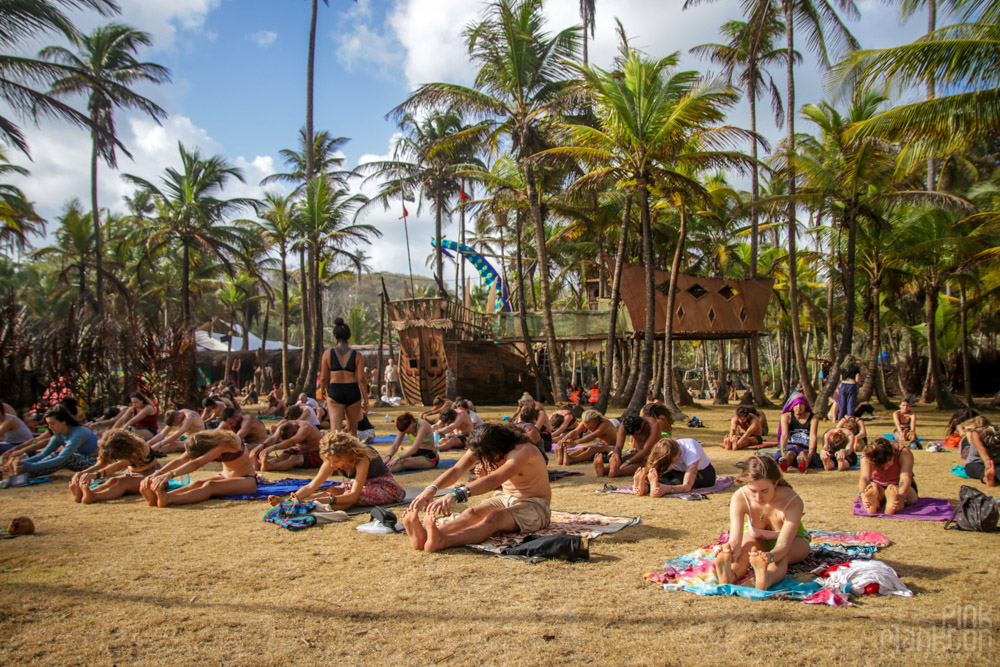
(212, 337)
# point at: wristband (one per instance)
(431, 487)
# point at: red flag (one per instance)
(461, 193)
(405, 212)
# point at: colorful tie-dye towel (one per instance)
(695, 572)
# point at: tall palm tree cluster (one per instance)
(877, 222)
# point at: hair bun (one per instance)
(339, 322)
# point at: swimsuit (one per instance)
(770, 537)
(144, 468)
(229, 457)
(890, 473)
(345, 393)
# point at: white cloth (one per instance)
(476, 419)
(691, 452)
(309, 416)
(859, 573)
(311, 402)
(390, 373)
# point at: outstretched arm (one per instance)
(312, 487)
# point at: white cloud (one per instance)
(431, 34)
(264, 38)
(163, 20)
(360, 44)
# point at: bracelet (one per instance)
(431, 487)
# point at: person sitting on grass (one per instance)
(421, 455)
(303, 413)
(644, 432)
(576, 447)
(180, 425)
(237, 478)
(118, 452)
(366, 430)
(13, 432)
(40, 441)
(887, 477)
(797, 443)
(765, 527)
(674, 466)
(562, 422)
(72, 446)
(906, 425)
(298, 444)
(275, 407)
(509, 462)
(371, 482)
(746, 429)
(454, 428)
(250, 429)
(984, 455)
(211, 413)
(140, 416)
(440, 405)
(840, 446)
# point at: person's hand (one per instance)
(160, 482)
(441, 506)
(842, 455)
(422, 499)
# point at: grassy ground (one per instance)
(121, 583)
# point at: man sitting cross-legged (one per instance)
(298, 444)
(594, 435)
(510, 462)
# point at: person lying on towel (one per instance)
(512, 464)
(765, 527)
(887, 477)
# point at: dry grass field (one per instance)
(212, 584)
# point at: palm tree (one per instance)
(105, 69)
(22, 21)
(235, 294)
(74, 248)
(587, 16)
(327, 159)
(520, 87)
(277, 228)
(189, 213)
(17, 215)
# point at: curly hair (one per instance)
(344, 446)
(758, 467)
(120, 445)
(632, 423)
(879, 452)
(852, 425)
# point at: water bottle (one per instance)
(437, 442)
(387, 418)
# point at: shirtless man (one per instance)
(454, 428)
(644, 431)
(275, 408)
(511, 463)
(745, 429)
(177, 423)
(440, 405)
(250, 429)
(562, 421)
(594, 428)
(211, 413)
(298, 442)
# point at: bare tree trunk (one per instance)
(646, 365)
(966, 362)
(945, 399)
(616, 285)
(522, 316)
(668, 326)
(722, 394)
(620, 399)
(284, 322)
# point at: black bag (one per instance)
(976, 511)
(384, 516)
(567, 547)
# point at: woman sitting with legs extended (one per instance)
(984, 455)
(765, 527)
(887, 476)
(119, 451)
(71, 446)
(372, 483)
(422, 454)
(237, 478)
(674, 466)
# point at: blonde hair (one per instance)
(760, 467)
(590, 415)
(120, 445)
(205, 441)
(662, 455)
(851, 424)
(342, 445)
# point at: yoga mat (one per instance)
(891, 438)
(442, 464)
(925, 509)
(959, 470)
(721, 484)
(586, 525)
(385, 439)
(559, 474)
(695, 572)
(285, 486)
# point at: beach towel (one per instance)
(559, 474)
(959, 471)
(721, 484)
(586, 525)
(925, 509)
(695, 572)
(385, 439)
(892, 438)
(442, 464)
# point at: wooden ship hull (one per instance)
(437, 335)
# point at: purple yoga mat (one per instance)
(925, 509)
(721, 484)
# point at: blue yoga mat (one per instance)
(384, 439)
(959, 471)
(891, 438)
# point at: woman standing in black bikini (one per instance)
(342, 373)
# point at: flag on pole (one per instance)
(405, 213)
(461, 193)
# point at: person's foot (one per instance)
(599, 465)
(892, 504)
(149, 495)
(869, 499)
(273, 500)
(990, 476)
(654, 483)
(86, 495)
(759, 560)
(432, 542)
(724, 565)
(803, 464)
(414, 529)
(725, 443)
(559, 454)
(75, 491)
(162, 500)
(640, 486)
(262, 467)
(614, 465)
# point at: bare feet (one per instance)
(560, 454)
(433, 540)
(990, 477)
(869, 498)
(86, 495)
(759, 560)
(273, 500)
(599, 465)
(263, 464)
(724, 565)
(149, 495)
(892, 500)
(725, 443)
(414, 529)
(162, 499)
(654, 483)
(640, 486)
(614, 464)
(75, 491)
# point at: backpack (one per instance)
(975, 511)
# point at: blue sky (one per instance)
(239, 84)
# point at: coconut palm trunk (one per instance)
(284, 321)
(96, 214)
(668, 334)
(522, 316)
(646, 363)
(966, 361)
(605, 396)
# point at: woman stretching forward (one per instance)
(765, 527)
(237, 478)
(119, 450)
(680, 465)
(422, 454)
(887, 476)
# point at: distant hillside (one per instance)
(343, 294)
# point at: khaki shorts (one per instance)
(530, 514)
